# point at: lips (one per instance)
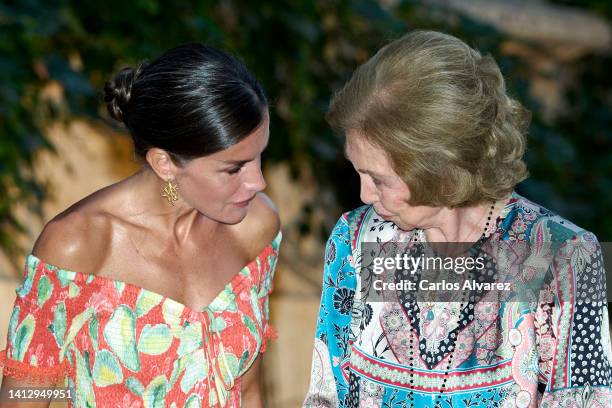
(245, 202)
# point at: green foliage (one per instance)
(570, 160)
(301, 51)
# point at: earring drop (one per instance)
(170, 192)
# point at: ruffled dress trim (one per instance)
(269, 335)
(32, 374)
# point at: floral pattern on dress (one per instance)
(116, 344)
(552, 352)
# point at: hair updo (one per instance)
(192, 101)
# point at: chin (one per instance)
(404, 227)
(227, 217)
(235, 218)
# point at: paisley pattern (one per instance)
(554, 351)
(117, 344)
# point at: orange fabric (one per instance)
(32, 375)
(121, 345)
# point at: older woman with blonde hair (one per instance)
(438, 145)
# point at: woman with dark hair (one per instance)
(438, 145)
(154, 290)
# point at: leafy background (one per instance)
(301, 51)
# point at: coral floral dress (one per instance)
(119, 345)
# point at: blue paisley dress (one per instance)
(554, 352)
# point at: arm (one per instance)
(13, 383)
(261, 225)
(328, 386)
(31, 358)
(35, 331)
(579, 337)
(252, 386)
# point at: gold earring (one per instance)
(170, 192)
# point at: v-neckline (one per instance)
(173, 305)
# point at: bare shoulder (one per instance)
(261, 225)
(77, 239)
(265, 216)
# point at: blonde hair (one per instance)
(440, 111)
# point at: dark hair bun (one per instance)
(191, 101)
(118, 91)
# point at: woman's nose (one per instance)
(255, 180)
(367, 192)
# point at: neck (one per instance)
(465, 224)
(148, 208)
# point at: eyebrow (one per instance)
(371, 173)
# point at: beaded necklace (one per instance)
(453, 336)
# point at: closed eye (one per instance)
(234, 170)
(376, 181)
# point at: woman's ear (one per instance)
(161, 163)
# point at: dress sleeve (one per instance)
(33, 339)
(572, 330)
(328, 383)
